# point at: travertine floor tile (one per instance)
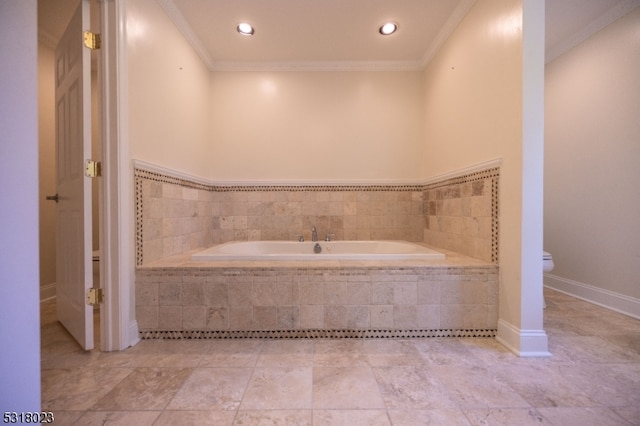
(506, 416)
(279, 388)
(345, 388)
(286, 353)
(232, 353)
(608, 385)
(544, 385)
(340, 353)
(119, 418)
(584, 416)
(440, 416)
(195, 418)
(630, 413)
(351, 418)
(144, 388)
(78, 388)
(592, 378)
(478, 388)
(413, 387)
(212, 389)
(444, 351)
(382, 352)
(273, 417)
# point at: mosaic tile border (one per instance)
(491, 173)
(158, 177)
(494, 218)
(314, 334)
(139, 221)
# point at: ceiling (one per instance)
(299, 33)
(339, 33)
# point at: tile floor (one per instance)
(593, 378)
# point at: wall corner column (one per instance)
(525, 336)
(119, 329)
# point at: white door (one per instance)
(73, 146)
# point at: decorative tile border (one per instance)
(494, 175)
(494, 218)
(315, 334)
(493, 172)
(139, 221)
(158, 177)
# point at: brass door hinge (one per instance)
(94, 296)
(92, 40)
(93, 169)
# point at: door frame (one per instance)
(119, 328)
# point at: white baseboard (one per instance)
(524, 343)
(134, 333)
(607, 299)
(47, 292)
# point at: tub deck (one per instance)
(180, 298)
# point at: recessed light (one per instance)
(388, 28)
(245, 29)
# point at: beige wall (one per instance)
(167, 91)
(483, 101)
(592, 201)
(316, 125)
(474, 114)
(471, 105)
(473, 91)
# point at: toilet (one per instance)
(547, 266)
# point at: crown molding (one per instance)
(610, 16)
(447, 29)
(178, 19)
(319, 66)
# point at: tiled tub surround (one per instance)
(455, 296)
(172, 216)
(177, 298)
(175, 215)
(461, 214)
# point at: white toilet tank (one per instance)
(547, 262)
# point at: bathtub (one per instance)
(329, 250)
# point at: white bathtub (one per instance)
(331, 250)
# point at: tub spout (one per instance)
(314, 234)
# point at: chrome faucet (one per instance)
(330, 236)
(314, 234)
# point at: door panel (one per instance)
(73, 145)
